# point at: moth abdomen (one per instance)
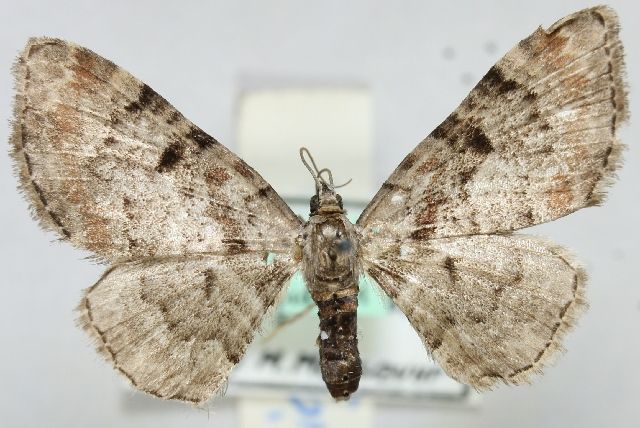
(330, 268)
(338, 341)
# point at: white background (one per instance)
(419, 59)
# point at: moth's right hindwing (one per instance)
(489, 308)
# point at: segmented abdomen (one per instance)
(339, 358)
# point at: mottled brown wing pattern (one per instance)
(111, 166)
(489, 308)
(534, 140)
(200, 245)
(176, 326)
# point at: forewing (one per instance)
(533, 141)
(111, 166)
(176, 327)
(488, 308)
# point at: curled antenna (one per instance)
(331, 184)
(317, 173)
(314, 171)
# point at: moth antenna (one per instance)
(343, 184)
(328, 171)
(315, 173)
(331, 183)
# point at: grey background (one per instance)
(419, 59)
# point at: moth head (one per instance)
(325, 201)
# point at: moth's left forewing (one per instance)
(111, 166)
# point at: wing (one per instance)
(176, 326)
(111, 166)
(489, 308)
(533, 141)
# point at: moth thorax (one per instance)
(334, 249)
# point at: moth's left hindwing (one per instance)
(535, 140)
(175, 327)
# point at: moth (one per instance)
(200, 246)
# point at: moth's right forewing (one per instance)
(535, 140)
(176, 327)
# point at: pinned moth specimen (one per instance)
(200, 246)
